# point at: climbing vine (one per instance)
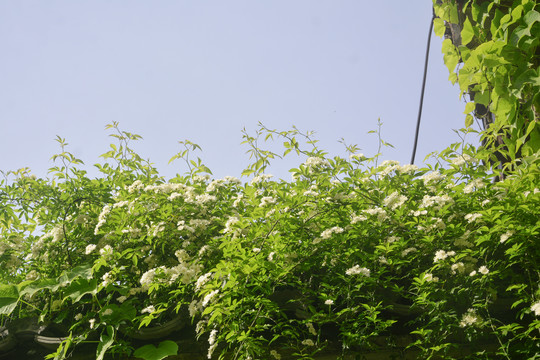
(491, 50)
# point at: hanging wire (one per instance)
(423, 88)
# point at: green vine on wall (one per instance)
(491, 50)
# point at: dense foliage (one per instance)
(492, 51)
(347, 253)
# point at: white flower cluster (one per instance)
(202, 280)
(482, 270)
(458, 267)
(327, 234)
(209, 297)
(408, 251)
(463, 159)
(430, 278)
(165, 188)
(102, 217)
(267, 200)
(437, 201)
(308, 342)
(184, 271)
(313, 162)
(472, 217)
(260, 178)
(357, 270)
(536, 308)
(388, 166)
(357, 218)
(381, 213)
(90, 248)
(136, 186)
(394, 200)
(106, 251)
(432, 177)
(212, 342)
(469, 318)
(473, 185)
(407, 169)
(149, 309)
(228, 225)
(311, 329)
(506, 236)
(441, 255)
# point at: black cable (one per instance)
(423, 88)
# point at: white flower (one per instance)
(271, 256)
(357, 270)
(193, 308)
(483, 270)
(429, 277)
(148, 277)
(102, 217)
(202, 280)
(148, 309)
(315, 162)
(536, 308)
(108, 311)
(260, 178)
(326, 234)
(469, 318)
(381, 213)
(256, 250)
(394, 200)
(228, 225)
(311, 329)
(212, 337)
(408, 250)
(308, 342)
(473, 273)
(473, 185)
(458, 267)
(266, 201)
(441, 255)
(92, 323)
(78, 317)
(329, 302)
(209, 297)
(358, 218)
(462, 159)
(137, 185)
(431, 177)
(506, 236)
(407, 169)
(106, 250)
(472, 217)
(121, 299)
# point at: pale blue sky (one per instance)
(203, 70)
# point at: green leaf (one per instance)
(469, 107)
(81, 287)
(150, 352)
(467, 33)
(9, 297)
(450, 55)
(105, 342)
(469, 120)
(119, 313)
(439, 27)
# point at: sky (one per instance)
(204, 70)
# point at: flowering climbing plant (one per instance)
(346, 253)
